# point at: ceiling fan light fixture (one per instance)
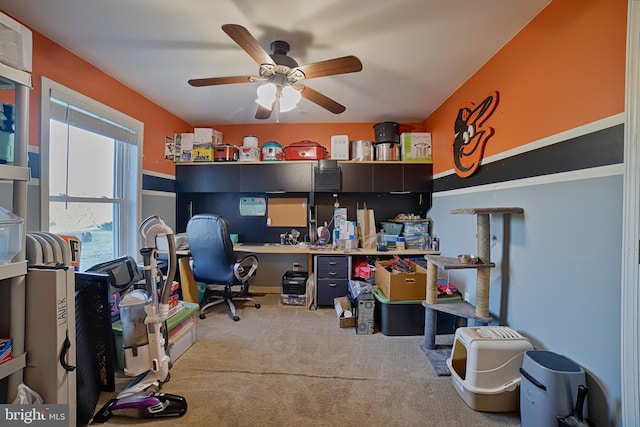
(290, 98)
(266, 95)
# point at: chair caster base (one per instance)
(236, 318)
(257, 305)
(202, 315)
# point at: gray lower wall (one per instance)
(557, 278)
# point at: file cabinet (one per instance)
(332, 277)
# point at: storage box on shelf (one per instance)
(399, 286)
(11, 237)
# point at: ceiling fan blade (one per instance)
(246, 41)
(212, 81)
(346, 64)
(262, 113)
(322, 100)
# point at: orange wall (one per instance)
(565, 69)
(58, 64)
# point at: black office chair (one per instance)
(213, 262)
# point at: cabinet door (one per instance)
(207, 178)
(277, 176)
(328, 289)
(296, 177)
(417, 177)
(357, 177)
(387, 177)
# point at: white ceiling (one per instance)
(415, 53)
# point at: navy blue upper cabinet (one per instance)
(297, 177)
(417, 177)
(276, 177)
(207, 178)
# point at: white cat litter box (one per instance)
(485, 366)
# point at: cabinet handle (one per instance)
(332, 263)
(332, 273)
(333, 285)
(63, 353)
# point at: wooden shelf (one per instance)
(458, 308)
(486, 211)
(12, 366)
(276, 162)
(13, 269)
(450, 263)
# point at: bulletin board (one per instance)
(287, 212)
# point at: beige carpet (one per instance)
(287, 366)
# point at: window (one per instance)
(90, 182)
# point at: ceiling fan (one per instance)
(284, 74)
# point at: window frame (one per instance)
(126, 242)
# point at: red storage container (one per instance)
(304, 150)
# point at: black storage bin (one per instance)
(294, 283)
(406, 317)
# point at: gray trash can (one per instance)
(548, 388)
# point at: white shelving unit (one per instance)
(12, 275)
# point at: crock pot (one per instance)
(225, 153)
(304, 150)
(250, 141)
(249, 154)
(272, 152)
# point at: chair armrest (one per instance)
(242, 271)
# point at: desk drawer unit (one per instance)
(332, 278)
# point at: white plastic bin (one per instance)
(485, 367)
(10, 235)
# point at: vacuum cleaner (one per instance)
(144, 335)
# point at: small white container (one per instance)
(10, 235)
(340, 147)
(248, 153)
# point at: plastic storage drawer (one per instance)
(332, 278)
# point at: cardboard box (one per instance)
(340, 147)
(202, 152)
(343, 312)
(207, 135)
(415, 146)
(183, 151)
(169, 148)
(399, 286)
(16, 46)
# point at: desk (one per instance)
(277, 259)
